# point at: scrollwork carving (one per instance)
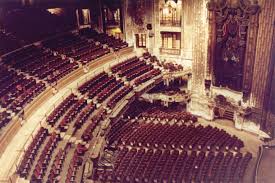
(231, 26)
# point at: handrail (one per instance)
(22, 151)
(258, 164)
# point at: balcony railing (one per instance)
(170, 23)
(170, 51)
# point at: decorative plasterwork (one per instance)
(232, 42)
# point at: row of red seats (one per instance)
(108, 90)
(89, 49)
(84, 115)
(89, 84)
(75, 163)
(131, 67)
(64, 43)
(122, 92)
(142, 165)
(175, 136)
(27, 96)
(124, 64)
(139, 71)
(98, 89)
(57, 165)
(78, 48)
(119, 129)
(71, 114)
(31, 153)
(61, 109)
(13, 85)
(88, 133)
(103, 38)
(45, 157)
(94, 55)
(162, 115)
(99, 86)
(41, 63)
(147, 76)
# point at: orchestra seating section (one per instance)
(172, 165)
(114, 43)
(155, 147)
(40, 63)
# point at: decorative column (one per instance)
(199, 104)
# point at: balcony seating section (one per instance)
(162, 114)
(118, 67)
(74, 46)
(134, 68)
(15, 92)
(71, 115)
(147, 76)
(93, 54)
(98, 87)
(109, 90)
(42, 64)
(31, 153)
(93, 123)
(64, 44)
(75, 163)
(61, 109)
(139, 71)
(122, 92)
(103, 38)
(31, 90)
(8, 42)
(131, 67)
(101, 86)
(45, 157)
(95, 80)
(149, 165)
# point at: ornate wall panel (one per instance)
(263, 51)
(268, 122)
(231, 19)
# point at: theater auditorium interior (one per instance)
(137, 91)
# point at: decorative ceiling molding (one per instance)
(247, 6)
